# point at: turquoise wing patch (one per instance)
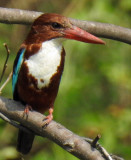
(17, 66)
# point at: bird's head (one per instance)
(50, 25)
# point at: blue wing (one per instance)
(16, 67)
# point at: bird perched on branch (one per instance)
(39, 65)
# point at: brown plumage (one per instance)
(39, 99)
(26, 86)
(42, 29)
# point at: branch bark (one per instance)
(54, 131)
(109, 31)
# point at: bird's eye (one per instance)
(56, 25)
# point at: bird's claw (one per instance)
(48, 118)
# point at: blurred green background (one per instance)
(95, 91)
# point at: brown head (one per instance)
(50, 25)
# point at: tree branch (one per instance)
(12, 112)
(54, 131)
(17, 16)
(109, 31)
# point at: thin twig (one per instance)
(95, 140)
(4, 69)
(94, 143)
(7, 80)
(5, 64)
(116, 157)
(104, 152)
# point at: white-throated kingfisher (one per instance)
(39, 65)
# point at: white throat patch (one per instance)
(43, 65)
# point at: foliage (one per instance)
(95, 90)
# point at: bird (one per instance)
(39, 65)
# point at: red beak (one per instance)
(80, 35)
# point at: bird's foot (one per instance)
(26, 110)
(48, 118)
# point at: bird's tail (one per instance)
(24, 142)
